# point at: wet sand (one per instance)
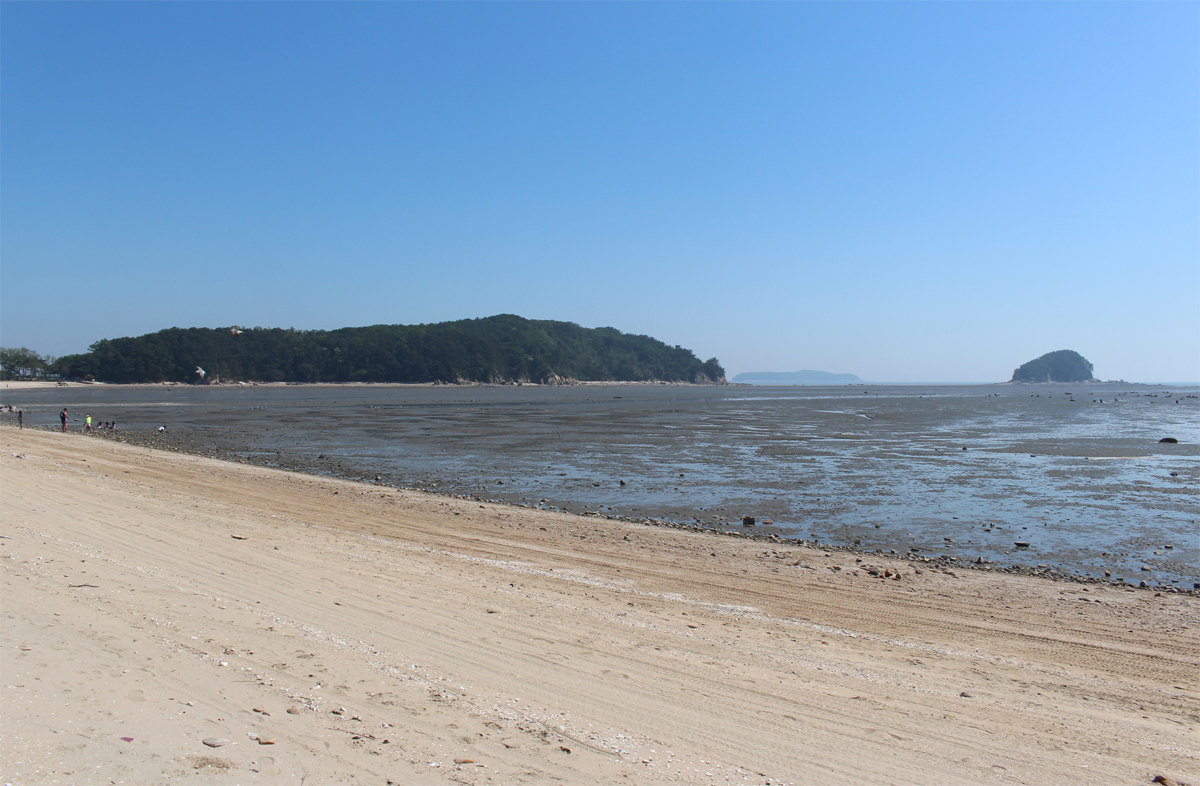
(964, 472)
(170, 599)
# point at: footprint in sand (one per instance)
(265, 766)
(135, 695)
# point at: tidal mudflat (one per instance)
(1077, 472)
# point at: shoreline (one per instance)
(36, 384)
(760, 532)
(16, 385)
(314, 628)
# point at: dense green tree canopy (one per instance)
(19, 362)
(503, 348)
(1064, 365)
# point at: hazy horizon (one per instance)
(906, 192)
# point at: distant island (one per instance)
(795, 378)
(1065, 365)
(504, 349)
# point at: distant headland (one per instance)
(795, 378)
(503, 349)
(1065, 365)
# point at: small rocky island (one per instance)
(1065, 365)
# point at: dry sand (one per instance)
(153, 600)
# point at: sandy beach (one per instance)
(316, 630)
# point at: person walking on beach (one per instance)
(63, 417)
(87, 425)
(20, 419)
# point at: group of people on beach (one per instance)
(88, 425)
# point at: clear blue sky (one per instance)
(904, 191)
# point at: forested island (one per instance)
(1065, 365)
(500, 349)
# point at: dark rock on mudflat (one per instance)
(747, 521)
(1168, 441)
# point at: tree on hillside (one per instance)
(23, 362)
(504, 348)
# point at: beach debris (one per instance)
(1168, 441)
(238, 537)
(261, 740)
(214, 742)
(964, 695)
(1022, 544)
(747, 521)
(127, 739)
(339, 711)
(294, 710)
(464, 761)
(1167, 780)
(564, 749)
(216, 762)
(261, 711)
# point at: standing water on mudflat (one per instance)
(1075, 471)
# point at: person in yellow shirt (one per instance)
(88, 425)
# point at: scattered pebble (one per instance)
(214, 742)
